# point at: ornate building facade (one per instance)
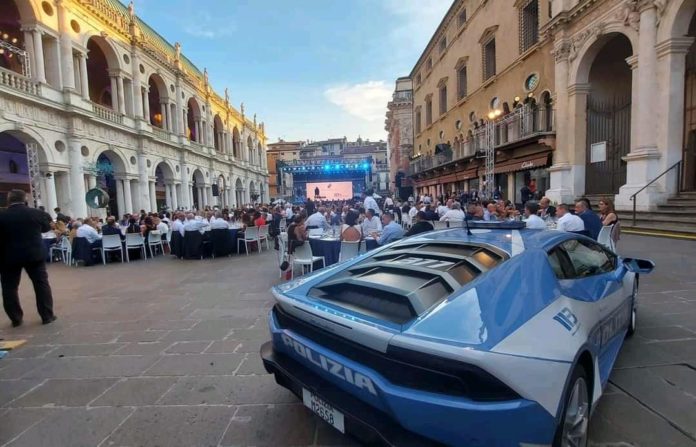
(399, 127)
(625, 75)
(104, 101)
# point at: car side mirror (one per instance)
(634, 265)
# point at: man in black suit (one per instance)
(21, 247)
(421, 226)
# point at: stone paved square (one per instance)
(174, 361)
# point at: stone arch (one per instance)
(676, 19)
(12, 15)
(236, 143)
(250, 149)
(117, 158)
(157, 94)
(218, 135)
(29, 135)
(14, 165)
(166, 167)
(102, 60)
(586, 55)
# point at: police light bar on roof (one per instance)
(495, 225)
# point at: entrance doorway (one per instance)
(689, 156)
(609, 117)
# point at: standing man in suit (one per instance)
(21, 247)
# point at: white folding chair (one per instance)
(282, 249)
(303, 256)
(263, 236)
(251, 234)
(314, 232)
(604, 237)
(349, 250)
(406, 221)
(439, 225)
(154, 239)
(167, 238)
(111, 242)
(65, 250)
(135, 240)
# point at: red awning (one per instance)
(524, 163)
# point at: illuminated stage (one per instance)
(332, 179)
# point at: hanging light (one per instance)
(2, 51)
(5, 36)
(14, 40)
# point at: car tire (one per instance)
(633, 321)
(575, 419)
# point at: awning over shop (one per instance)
(533, 161)
(449, 178)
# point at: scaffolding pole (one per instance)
(34, 173)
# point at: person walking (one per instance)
(21, 247)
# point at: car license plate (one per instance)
(323, 409)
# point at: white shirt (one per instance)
(442, 210)
(178, 225)
(371, 204)
(412, 212)
(88, 233)
(453, 216)
(288, 213)
(195, 225)
(388, 202)
(162, 227)
(535, 222)
(370, 225)
(219, 224)
(317, 220)
(570, 222)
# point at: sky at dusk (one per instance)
(310, 69)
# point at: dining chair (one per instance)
(65, 250)
(154, 240)
(251, 234)
(304, 257)
(135, 240)
(111, 242)
(264, 236)
(349, 250)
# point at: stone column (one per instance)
(114, 94)
(121, 96)
(163, 112)
(91, 181)
(197, 129)
(168, 195)
(200, 196)
(30, 49)
(137, 88)
(143, 187)
(185, 119)
(39, 66)
(66, 50)
(146, 105)
(175, 199)
(186, 197)
(51, 198)
(84, 77)
(181, 125)
(77, 184)
(206, 196)
(153, 196)
(120, 198)
(128, 196)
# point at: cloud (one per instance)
(204, 25)
(367, 101)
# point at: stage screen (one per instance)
(330, 190)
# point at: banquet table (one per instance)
(328, 247)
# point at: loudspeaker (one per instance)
(216, 191)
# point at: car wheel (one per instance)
(633, 320)
(573, 428)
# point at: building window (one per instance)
(489, 59)
(429, 111)
(443, 45)
(443, 99)
(529, 25)
(461, 18)
(429, 64)
(461, 82)
(418, 120)
(14, 169)
(419, 78)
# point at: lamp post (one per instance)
(490, 151)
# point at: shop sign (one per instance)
(598, 152)
(527, 165)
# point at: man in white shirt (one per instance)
(388, 202)
(178, 224)
(370, 202)
(442, 209)
(455, 214)
(533, 221)
(414, 210)
(194, 223)
(88, 232)
(371, 223)
(218, 223)
(318, 219)
(567, 221)
(288, 213)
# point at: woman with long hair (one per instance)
(607, 213)
(351, 231)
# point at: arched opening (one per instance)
(194, 120)
(608, 118)
(217, 134)
(108, 164)
(546, 111)
(156, 96)
(15, 172)
(253, 192)
(689, 156)
(163, 176)
(250, 150)
(11, 34)
(236, 142)
(197, 189)
(239, 192)
(99, 63)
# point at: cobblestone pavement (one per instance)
(165, 353)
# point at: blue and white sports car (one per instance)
(502, 337)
